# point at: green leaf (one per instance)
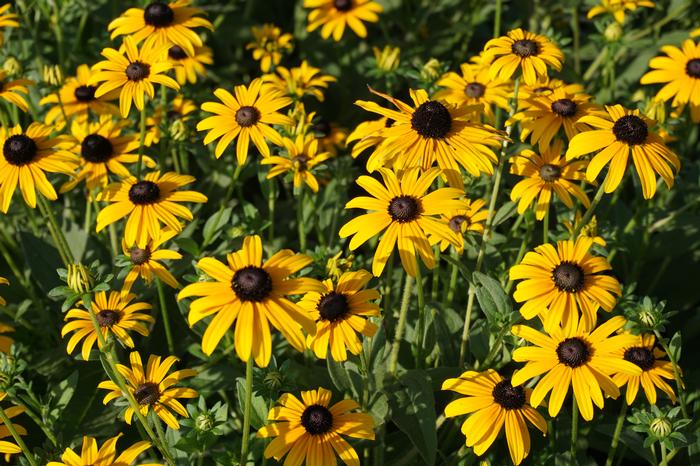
(491, 297)
(42, 259)
(258, 413)
(214, 225)
(62, 394)
(345, 376)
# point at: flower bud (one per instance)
(52, 75)
(204, 422)
(387, 58)
(12, 66)
(79, 279)
(661, 427)
(273, 380)
(613, 32)
(178, 130)
(431, 70)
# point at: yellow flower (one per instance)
(9, 448)
(152, 388)
(254, 294)
(177, 109)
(11, 91)
(333, 15)
(388, 58)
(617, 8)
(590, 230)
(90, 455)
(301, 157)
(188, 67)
(469, 217)
(145, 261)
(5, 341)
(618, 133)
(7, 20)
(309, 430)
(298, 82)
(269, 43)
(369, 134)
(133, 74)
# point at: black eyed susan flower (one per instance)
(559, 282)
(77, 98)
(246, 116)
(544, 175)
(340, 311)
(617, 8)
(268, 45)
(179, 109)
(153, 388)
(7, 20)
(519, 48)
(544, 86)
(148, 203)
(309, 431)
(14, 91)
(679, 71)
(163, 24)
(301, 158)
(115, 313)
(133, 74)
(26, 157)
(433, 131)
(254, 294)
(618, 133)
(648, 357)
(492, 403)
(188, 67)
(334, 15)
(368, 135)
(145, 261)
(106, 455)
(470, 217)
(582, 358)
(590, 230)
(401, 206)
(298, 82)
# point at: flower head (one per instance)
(470, 217)
(617, 8)
(334, 15)
(90, 455)
(298, 82)
(188, 66)
(302, 156)
(14, 91)
(268, 45)
(145, 261)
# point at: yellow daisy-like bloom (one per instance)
(333, 15)
(473, 87)
(617, 8)
(153, 388)
(367, 134)
(309, 430)
(647, 356)
(302, 156)
(133, 74)
(590, 230)
(341, 310)
(401, 206)
(680, 72)
(7, 20)
(91, 455)
(9, 448)
(3, 281)
(470, 217)
(102, 150)
(115, 313)
(519, 48)
(492, 403)
(546, 174)
(435, 131)
(269, 43)
(544, 86)
(26, 157)
(178, 109)
(253, 293)
(163, 23)
(618, 133)
(148, 203)
(298, 82)
(558, 282)
(5, 341)
(246, 116)
(580, 357)
(145, 261)
(188, 66)
(77, 98)
(11, 91)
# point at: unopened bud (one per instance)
(178, 130)
(613, 32)
(12, 66)
(52, 75)
(661, 427)
(204, 422)
(79, 279)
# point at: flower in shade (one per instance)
(148, 203)
(492, 403)
(330, 136)
(679, 71)
(340, 311)
(649, 358)
(308, 431)
(332, 16)
(6, 342)
(188, 67)
(582, 358)
(559, 283)
(253, 294)
(617, 8)
(617, 134)
(115, 313)
(133, 74)
(7, 20)
(533, 53)
(268, 45)
(145, 261)
(106, 455)
(26, 158)
(14, 91)
(590, 230)
(298, 82)
(153, 387)
(163, 23)
(470, 217)
(545, 174)
(246, 116)
(178, 109)
(9, 448)
(401, 207)
(301, 158)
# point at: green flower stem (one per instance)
(271, 198)
(420, 327)
(166, 317)
(521, 253)
(676, 374)
(576, 32)
(400, 326)
(159, 429)
(545, 227)
(497, 18)
(450, 295)
(142, 139)
(55, 231)
(88, 211)
(574, 430)
(59, 35)
(8, 423)
(589, 212)
(670, 456)
(387, 289)
(300, 220)
(247, 410)
(436, 275)
(616, 435)
(17, 400)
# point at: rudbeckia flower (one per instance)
(298, 82)
(617, 8)
(269, 43)
(333, 15)
(188, 67)
(7, 20)
(145, 261)
(302, 156)
(367, 135)
(14, 91)
(90, 455)
(470, 217)
(178, 109)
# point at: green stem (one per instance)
(420, 328)
(247, 410)
(664, 453)
(88, 211)
(670, 456)
(676, 374)
(574, 429)
(271, 198)
(159, 429)
(589, 212)
(142, 139)
(616, 435)
(545, 227)
(436, 275)
(497, 18)
(521, 252)
(576, 32)
(56, 233)
(166, 318)
(449, 296)
(387, 293)
(234, 181)
(400, 326)
(11, 428)
(300, 220)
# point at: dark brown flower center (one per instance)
(642, 357)
(302, 162)
(692, 68)
(177, 53)
(508, 396)
(251, 283)
(525, 48)
(573, 352)
(568, 277)
(323, 128)
(139, 256)
(137, 71)
(542, 90)
(85, 93)
(107, 318)
(475, 90)
(333, 306)
(96, 148)
(550, 172)
(564, 107)
(431, 120)
(147, 393)
(144, 192)
(631, 130)
(247, 116)
(342, 5)
(158, 14)
(317, 420)
(456, 222)
(19, 149)
(404, 209)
